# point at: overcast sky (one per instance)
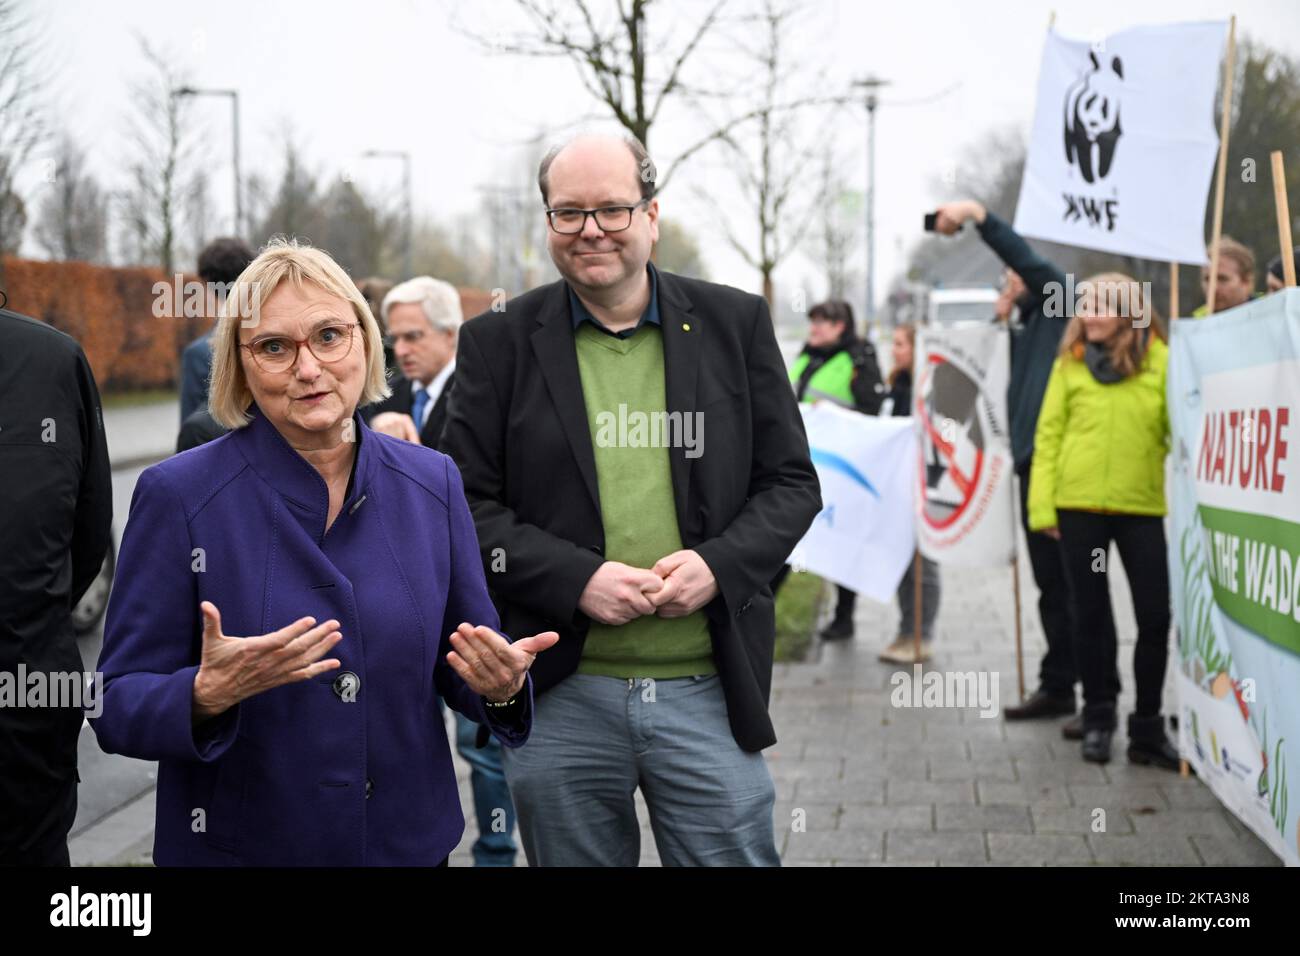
(395, 74)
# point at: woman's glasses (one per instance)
(276, 353)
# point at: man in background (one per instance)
(1028, 283)
(220, 264)
(423, 319)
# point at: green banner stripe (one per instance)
(1254, 564)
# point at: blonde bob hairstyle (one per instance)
(279, 260)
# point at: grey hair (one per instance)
(646, 173)
(439, 301)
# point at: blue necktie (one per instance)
(417, 411)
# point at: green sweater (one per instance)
(636, 501)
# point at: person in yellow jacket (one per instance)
(1098, 476)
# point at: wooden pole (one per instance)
(1283, 218)
(1173, 291)
(1225, 127)
(1020, 653)
(916, 605)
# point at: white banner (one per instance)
(863, 538)
(964, 509)
(1123, 145)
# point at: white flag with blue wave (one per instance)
(865, 535)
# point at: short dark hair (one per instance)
(222, 260)
(1275, 267)
(837, 310)
(646, 172)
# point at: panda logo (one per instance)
(1092, 127)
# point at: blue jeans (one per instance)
(493, 811)
(596, 739)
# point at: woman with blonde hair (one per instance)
(350, 560)
(1097, 477)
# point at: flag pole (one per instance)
(916, 604)
(1283, 218)
(1225, 127)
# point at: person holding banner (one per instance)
(1028, 284)
(837, 367)
(1097, 477)
(898, 402)
(1236, 278)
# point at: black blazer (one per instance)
(517, 428)
(402, 401)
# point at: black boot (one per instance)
(841, 627)
(1096, 744)
(1148, 745)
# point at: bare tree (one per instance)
(772, 158)
(292, 207)
(161, 173)
(21, 126)
(72, 222)
(839, 218)
(618, 64)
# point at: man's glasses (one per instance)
(569, 222)
(329, 343)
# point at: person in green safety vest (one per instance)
(836, 366)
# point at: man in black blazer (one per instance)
(565, 494)
(423, 318)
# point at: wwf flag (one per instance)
(1122, 150)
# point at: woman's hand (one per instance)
(1052, 532)
(232, 669)
(492, 666)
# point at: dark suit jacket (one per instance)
(56, 517)
(401, 401)
(517, 428)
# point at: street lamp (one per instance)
(234, 104)
(405, 157)
(870, 84)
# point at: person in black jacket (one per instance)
(56, 516)
(649, 548)
(1029, 284)
(836, 366)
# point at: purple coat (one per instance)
(298, 775)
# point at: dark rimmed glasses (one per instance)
(568, 221)
(279, 353)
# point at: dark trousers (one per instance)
(845, 600)
(1058, 672)
(1140, 540)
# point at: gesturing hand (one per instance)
(492, 666)
(688, 584)
(617, 593)
(232, 669)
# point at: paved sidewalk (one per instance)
(906, 786)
